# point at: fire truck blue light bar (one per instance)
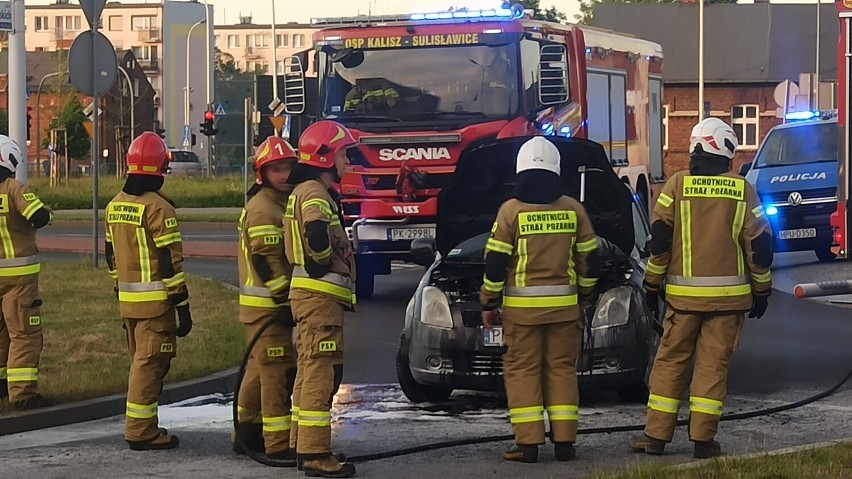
(493, 14)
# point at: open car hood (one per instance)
(485, 178)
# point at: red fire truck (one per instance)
(841, 219)
(418, 90)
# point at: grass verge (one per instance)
(834, 462)
(85, 351)
(224, 191)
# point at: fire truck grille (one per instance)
(388, 182)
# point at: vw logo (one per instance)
(795, 198)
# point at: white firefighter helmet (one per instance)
(10, 154)
(715, 137)
(538, 153)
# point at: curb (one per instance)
(107, 406)
(775, 452)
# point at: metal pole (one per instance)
(95, 147)
(816, 75)
(274, 56)
(38, 117)
(132, 103)
(186, 102)
(208, 84)
(248, 117)
(18, 86)
(700, 60)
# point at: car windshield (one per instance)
(469, 251)
(435, 84)
(810, 143)
(184, 157)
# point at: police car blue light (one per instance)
(801, 115)
(771, 211)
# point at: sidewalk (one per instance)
(191, 248)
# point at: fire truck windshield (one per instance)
(799, 144)
(422, 84)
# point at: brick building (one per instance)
(748, 50)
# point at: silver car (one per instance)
(184, 162)
(443, 345)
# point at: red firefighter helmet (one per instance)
(272, 149)
(321, 141)
(147, 155)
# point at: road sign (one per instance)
(6, 16)
(92, 9)
(276, 106)
(219, 109)
(277, 123)
(89, 126)
(88, 110)
(81, 59)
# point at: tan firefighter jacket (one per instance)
(145, 254)
(19, 261)
(549, 247)
(309, 202)
(709, 267)
(261, 239)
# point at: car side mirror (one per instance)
(745, 168)
(423, 251)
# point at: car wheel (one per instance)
(824, 255)
(636, 392)
(415, 392)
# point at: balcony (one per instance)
(253, 52)
(149, 64)
(150, 35)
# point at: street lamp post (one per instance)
(208, 86)
(186, 128)
(38, 117)
(700, 60)
(132, 102)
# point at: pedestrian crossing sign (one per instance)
(219, 109)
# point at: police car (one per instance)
(795, 175)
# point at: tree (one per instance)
(550, 14)
(71, 117)
(4, 122)
(587, 7)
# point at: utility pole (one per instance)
(18, 87)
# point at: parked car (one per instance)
(443, 345)
(184, 162)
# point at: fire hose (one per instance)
(505, 437)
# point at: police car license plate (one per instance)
(397, 234)
(493, 336)
(797, 234)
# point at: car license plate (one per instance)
(493, 336)
(797, 234)
(397, 234)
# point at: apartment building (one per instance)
(162, 39)
(250, 44)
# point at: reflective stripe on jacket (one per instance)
(142, 233)
(710, 266)
(19, 261)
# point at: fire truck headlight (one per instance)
(771, 211)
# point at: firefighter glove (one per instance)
(184, 321)
(316, 270)
(653, 300)
(759, 307)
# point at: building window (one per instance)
(257, 40)
(141, 22)
(745, 122)
(145, 53)
(280, 40)
(68, 23)
(665, 127)
(298, 40)
(116, 23)
(233, 41)
(41, 24)
(257, 67)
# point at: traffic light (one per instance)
(161, 132)
(29, 121)
(207, 127)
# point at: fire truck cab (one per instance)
(419, 91)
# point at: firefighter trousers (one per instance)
(540, 372)
(265, 390)
(152, 346)
(21, 339)
(319, 341)
(711, 339)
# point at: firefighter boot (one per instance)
(521, 453)
(564, 451)
(707, 449)
(326, 465)
(162, 441)
(301, 460)
(285, 458)
(647, 444)
(34, 402)
(252, 436)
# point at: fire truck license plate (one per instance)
(797, 234)
(396, 234)
(493, 336)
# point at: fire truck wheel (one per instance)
(365, 284)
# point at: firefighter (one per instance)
(380, 96)
(712, 246)
(21, 334)
(538, 259)
(321, 290)
(144, 254)
(264, 402)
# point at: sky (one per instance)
(229, 11)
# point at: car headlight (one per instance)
(435, 308)
(612, 310)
